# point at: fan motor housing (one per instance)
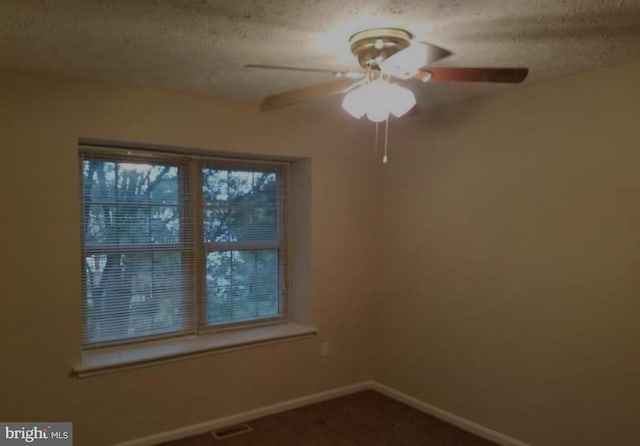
(372, 46)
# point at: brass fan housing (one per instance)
(372, 46)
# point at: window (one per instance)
(176, 244)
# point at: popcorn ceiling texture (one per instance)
(202, 46)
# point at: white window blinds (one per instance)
(176, 244)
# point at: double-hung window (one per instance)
(177, 244)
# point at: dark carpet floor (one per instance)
(361, 419)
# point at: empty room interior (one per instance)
(316, 222)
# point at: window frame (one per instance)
(202, 249)
(192, 243)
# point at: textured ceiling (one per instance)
(202, 46)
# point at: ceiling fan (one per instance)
(388, 57)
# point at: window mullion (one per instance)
(282, 217)
(198, 273)
(240, 246)
(135, 248)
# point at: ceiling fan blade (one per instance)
(415, 110)
(349, 74)
(434, 52)
(404, 64)
(306, 94)
(505, 75)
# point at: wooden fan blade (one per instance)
(505, 75)
(280, 67)
(350, 74)
(416, 110)
(405, 63)
(306, 94)
(434, 52)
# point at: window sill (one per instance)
(113, 359)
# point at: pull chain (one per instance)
(375, 147)
(385, 156)
(386, 140)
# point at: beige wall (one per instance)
(505, 231)
(42, 118)
(509, 271)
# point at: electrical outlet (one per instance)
(324, 349)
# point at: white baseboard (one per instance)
(462, 423)
(242, 417)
